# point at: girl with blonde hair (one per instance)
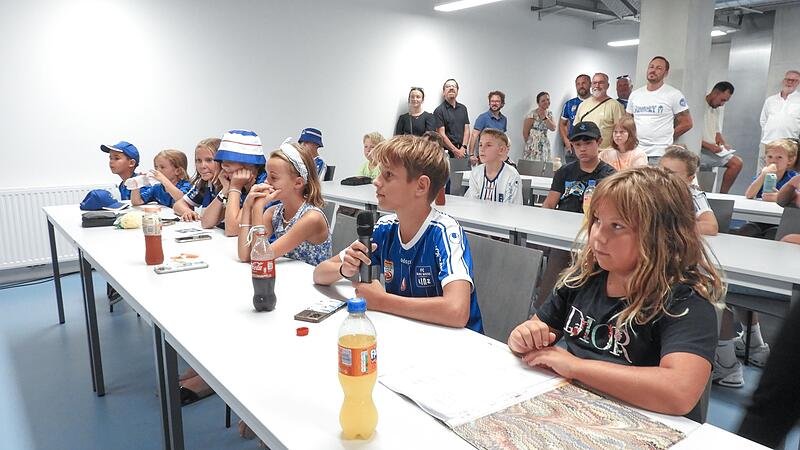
(205, 183)
(293, 216)
(637, 305)
(170, 171)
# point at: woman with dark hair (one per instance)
(534, 130)
(415, 121)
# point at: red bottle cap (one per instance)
(302, 331)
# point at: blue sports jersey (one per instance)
(159, 194)
(570, 111)
(437, 255)
(125, 193)
(200, 196)
(321, 167)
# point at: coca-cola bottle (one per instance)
(262, 267)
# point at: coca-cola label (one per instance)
(263, 269)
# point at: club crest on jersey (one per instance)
(454, 237)
(388, 271)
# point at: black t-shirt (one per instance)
(570, 181)
(408, 124)
(453, 121)
(587, 319)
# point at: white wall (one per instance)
(165, 74)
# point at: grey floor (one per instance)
(47, 400)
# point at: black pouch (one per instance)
(92, 219)
(356, 181)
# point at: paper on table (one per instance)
(468, 383)
(725, 152)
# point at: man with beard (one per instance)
(492, 118)
(452, 121)
(659, 110)
(600, 109)
(713, 142)
(582, 83)
(623, 89)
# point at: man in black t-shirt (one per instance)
(571, 180)
(452, 121)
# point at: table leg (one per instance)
(86, 319)
(56, 272)
(94, 335)
(167, 370)
(517, 238)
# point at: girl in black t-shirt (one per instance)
(636, 307)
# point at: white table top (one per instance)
(743, 207)
(758, 263)
(284, 386)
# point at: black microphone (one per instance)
(365, 222)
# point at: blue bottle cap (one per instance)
(356, 305)
(592, 182)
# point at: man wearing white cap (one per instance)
(242, 166)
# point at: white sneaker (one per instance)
(758, 355)
(727, 376)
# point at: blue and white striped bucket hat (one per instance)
(241, 146)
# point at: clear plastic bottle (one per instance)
(770, 183)
(358, 371)
(587, 195)
(140, 181)
(262, 268)
(151, 226)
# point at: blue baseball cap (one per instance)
(98, 199)
(123, 147)
(312, 135)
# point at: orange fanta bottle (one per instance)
(358, 371)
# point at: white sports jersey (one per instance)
(504, 188)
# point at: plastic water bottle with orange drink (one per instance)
(358, 371)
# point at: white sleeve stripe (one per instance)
(456, 253)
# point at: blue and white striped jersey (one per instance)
(437, 255)
(506, 187)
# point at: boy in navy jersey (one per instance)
(422, 254)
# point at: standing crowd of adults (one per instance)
(660, 113)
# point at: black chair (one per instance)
(329, 173)
(723, 211)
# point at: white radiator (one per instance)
(23, 224)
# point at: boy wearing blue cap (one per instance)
(123, 158)
(311, 141)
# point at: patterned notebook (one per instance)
(568, 417)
